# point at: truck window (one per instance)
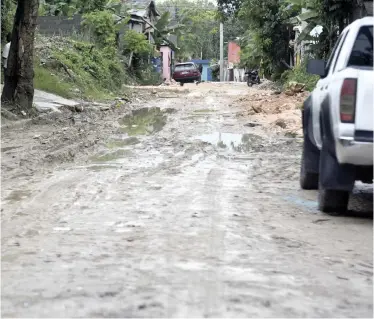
(340, 49)
(329, 61)
(362, 51)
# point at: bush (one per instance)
(136, 42)
(148, 76)
(101, 26)
(299, 74)
(92, 69)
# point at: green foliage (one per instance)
(147, 76)
(102, 27)
(299, 74)
(70, 7)
(8, 9)
(47, 81)
(197, 28)
(136, 43)
(163, 29)
(80, 65)
(267, 41)
(270, 22)
(229, 7)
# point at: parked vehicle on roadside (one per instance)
(338, 119)
(252, 77)
(187, 72)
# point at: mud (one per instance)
(171, 211)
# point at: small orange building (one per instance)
(233, 53)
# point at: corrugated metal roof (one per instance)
(200, 61)
(139, 13)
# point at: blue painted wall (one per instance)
(156, 63)
(207, 72)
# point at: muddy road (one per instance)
(182, 208)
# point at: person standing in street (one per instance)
(6, 53)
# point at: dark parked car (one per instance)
(187, 73)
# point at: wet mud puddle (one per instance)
(136, 125)
(144, 121)
(231, 142)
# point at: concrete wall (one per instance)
(166, 62)
(207, 71)
(51, 25)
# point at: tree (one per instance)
(229, 7)
(8, 9)
(199, 37)
(19, 88)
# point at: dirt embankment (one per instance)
(60, 135)
(275, 110)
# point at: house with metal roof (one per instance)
(143, 15)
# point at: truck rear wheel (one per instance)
(307, 180)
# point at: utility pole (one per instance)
(221, 74)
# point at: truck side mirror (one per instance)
(317, 67)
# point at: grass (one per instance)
(80, 69)
(49, 82)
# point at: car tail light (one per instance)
(348, 100)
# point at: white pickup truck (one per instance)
(338, 119)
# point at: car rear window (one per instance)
(362, 51)
(184, 67)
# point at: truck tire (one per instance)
(309, 166)
(307, 180)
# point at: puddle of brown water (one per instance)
(230, 141)
(144, 121)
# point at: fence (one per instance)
(63, 26)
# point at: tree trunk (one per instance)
(19, 75)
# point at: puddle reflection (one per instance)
(231, 142)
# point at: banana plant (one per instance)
(163, 30)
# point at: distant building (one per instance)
(207, 71)
(233, 54)
(143, 16)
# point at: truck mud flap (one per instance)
(335, 176)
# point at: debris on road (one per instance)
(277, 112)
